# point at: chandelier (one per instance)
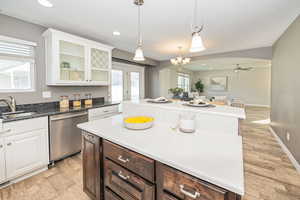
(180, 60)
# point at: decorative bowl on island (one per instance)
(138, 122)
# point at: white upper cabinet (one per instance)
(72, 60)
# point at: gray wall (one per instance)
(16, 28)
(117, 53)
(252, 87)
(259, 53)
(285, 101)
(153, 84)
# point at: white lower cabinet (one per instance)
(24, 148)
(2, 162)
(104, 112)
(25, 152)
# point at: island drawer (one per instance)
(183, 186)
(109, 195)
(135, 162)
(167, 196)
(126, 184)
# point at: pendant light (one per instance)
(197, 43)
(139, 55)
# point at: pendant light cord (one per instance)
(195, 25)
(139, 26)
(195, 14)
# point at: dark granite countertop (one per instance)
(52, 108)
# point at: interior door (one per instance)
(127, 82)
(2, 162)
(133, 85)
(25, 152)
(117, 85)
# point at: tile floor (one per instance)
(269, 175)
(62, 182)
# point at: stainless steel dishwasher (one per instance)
(65, 137)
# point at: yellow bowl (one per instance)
(138, 122)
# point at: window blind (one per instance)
(183, 75)
(19, 50)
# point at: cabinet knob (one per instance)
(1, 146)
(5, 131)
(9, 144)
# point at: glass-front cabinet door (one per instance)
(72, 62)
(100, 62)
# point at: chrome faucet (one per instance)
(11, 102)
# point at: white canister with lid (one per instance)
(187, 122)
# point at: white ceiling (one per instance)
(229, 24)
(226, 64)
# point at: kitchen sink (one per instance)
(18, 114)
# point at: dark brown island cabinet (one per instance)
(112, 172)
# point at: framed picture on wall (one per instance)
(218, 83)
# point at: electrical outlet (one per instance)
(46, 94)
(288, 136)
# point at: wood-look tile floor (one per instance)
(269, 175)
(62, 182)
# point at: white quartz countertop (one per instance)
(217, 110)
(214, 158)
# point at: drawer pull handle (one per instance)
(5, 131)
(122, 176)
(193, 196)
(1, 146)
(9, 144)
(120, 158)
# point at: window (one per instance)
(16, 65)
(183, 81)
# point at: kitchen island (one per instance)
(160, 163)
(215, 119)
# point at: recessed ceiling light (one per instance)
(45, 3)
(117, 33)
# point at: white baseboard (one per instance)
(286, 150)
(21, 178)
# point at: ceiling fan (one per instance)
(238, 68)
